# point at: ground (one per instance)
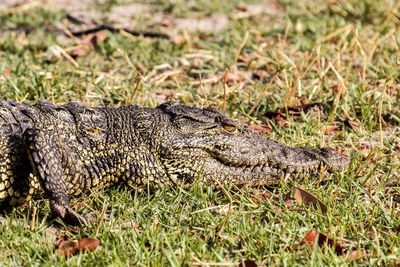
(305, 73)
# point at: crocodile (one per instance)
(56, 152)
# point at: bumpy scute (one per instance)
(62, 151)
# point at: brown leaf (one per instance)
(99, 37)
(78, 52)
(281, 120)
(310, 238)
(254, 200)
(294, 111)
(87, 43)
(88, 244)
(355, 125)
(259, 75)
(162, 96)
(93, 38)
(262, 196)
(261, 39)
(178, 39)
(327, 129)
(61, 239)
(241, 8)
(7, 73)
(365, 150)
(68, 248)
(258, 129)
(356, 255)
(303, 197)
(236, 75)
(247, 263)
(314, 236)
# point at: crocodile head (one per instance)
(207, 144)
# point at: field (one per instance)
(304, 73)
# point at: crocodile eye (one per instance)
(229, 128)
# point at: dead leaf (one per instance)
(262, 196)
(365, 150)
(87, 43)
(78, 52)
(289, 200)
(99, 37)
(259, 75)
(88, 244)
(59, 240)
(241, 8)
(261, 39)
(303, 197)
(178, 39)
(313, 236)
(329, 129)
(356, 255)
(67, 248)
(93, 39)
(236, 75)
(7, 73)
(355, 125)
(295, 111)
(310, 238)
(247, 263)
(281, 120)
(259, 129)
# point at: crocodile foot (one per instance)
(68, 215)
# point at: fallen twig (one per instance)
(113, 29)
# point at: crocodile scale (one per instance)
(61, 151)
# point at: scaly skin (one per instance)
(62, 151)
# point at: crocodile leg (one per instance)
(45, 159)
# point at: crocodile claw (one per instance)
(68, 215)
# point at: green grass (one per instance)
(293, 43)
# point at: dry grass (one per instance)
(254, 58)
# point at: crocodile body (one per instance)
(61, 151)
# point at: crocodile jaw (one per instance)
(267, 165)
